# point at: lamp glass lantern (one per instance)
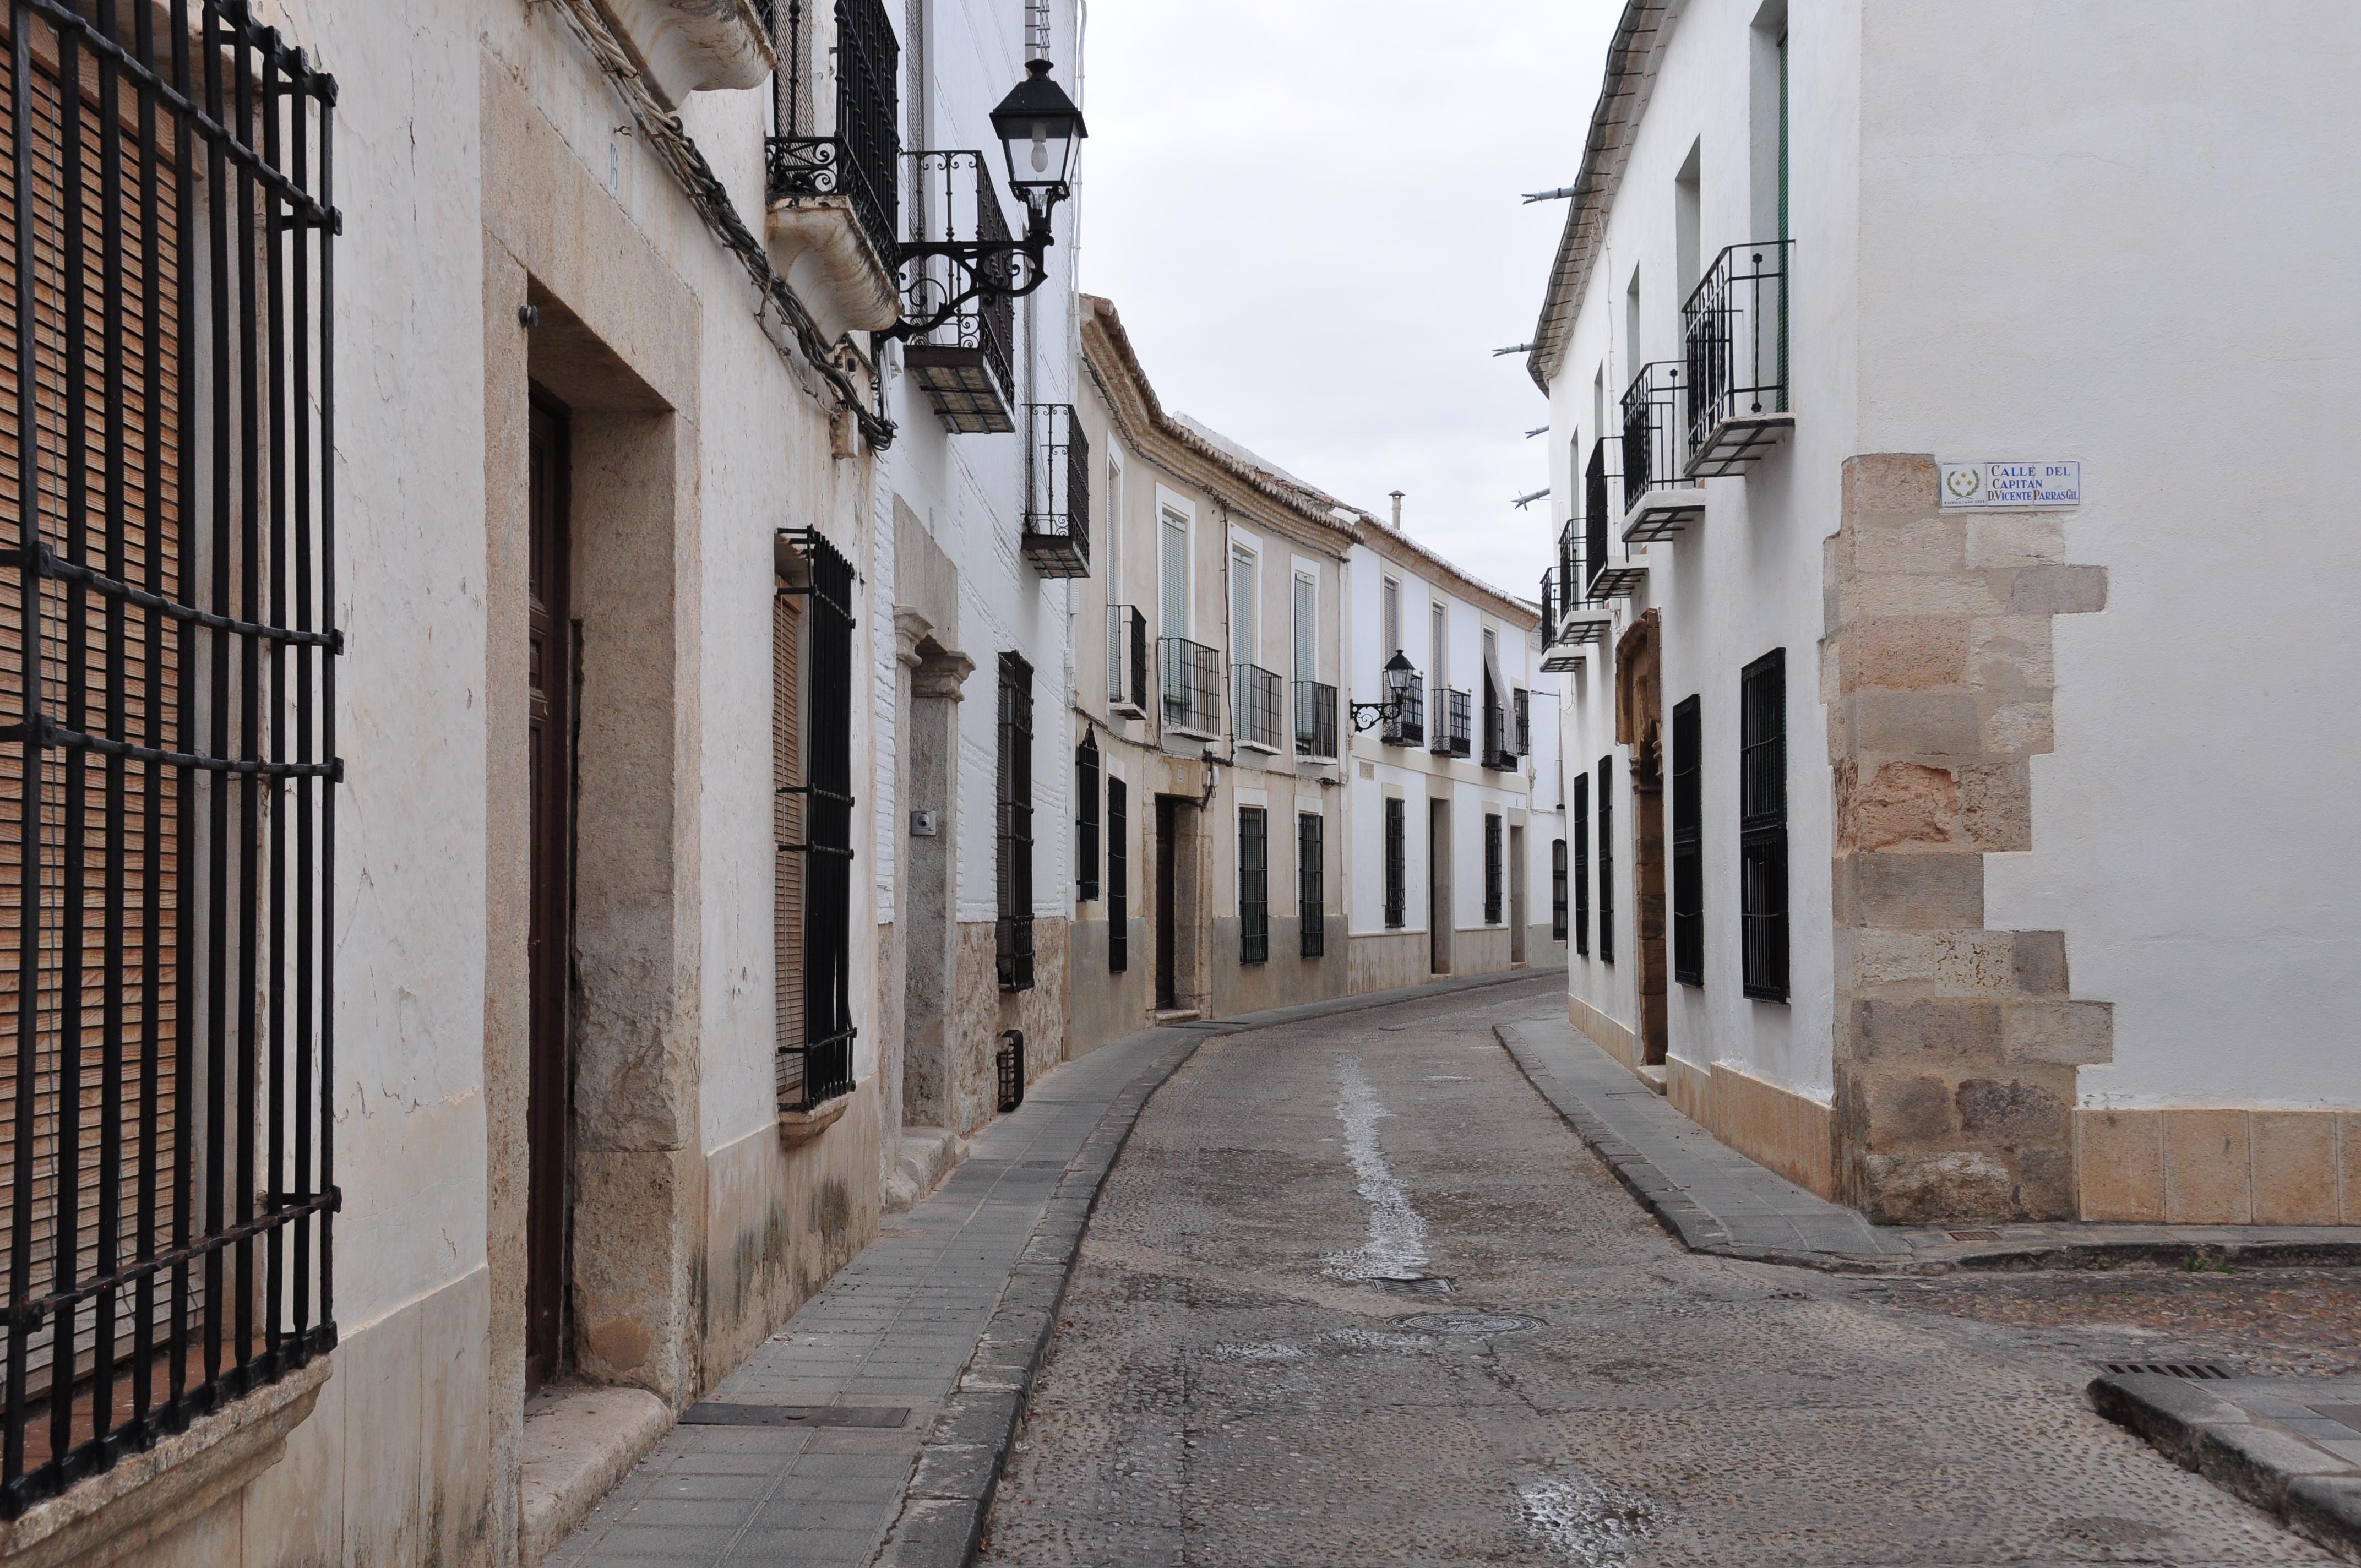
(1398, 673)
(1038, 125)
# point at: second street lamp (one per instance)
(1399, 673)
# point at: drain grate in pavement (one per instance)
(2199, 1370)
(1468, 1325)
(1975, 1235)
(712, 1415)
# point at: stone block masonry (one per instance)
(1956, 1046)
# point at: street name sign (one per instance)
(1991, 485)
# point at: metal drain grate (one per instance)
(2198, 1369)
(712, 1415)
(1975, 1235)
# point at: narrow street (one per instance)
(1354, 1293)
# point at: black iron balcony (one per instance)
(1495, 754)
(1407, 724)
(1254, 705)
(1735, 329)
(1127, 660)
(1191, 685)
(1057, 532)
(1659, 501)
(963, 364)
(1560, 602)
(1315, 720)
(1451, 736)
(834, 189)
(1608, 575)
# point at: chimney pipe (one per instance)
(1397, 496)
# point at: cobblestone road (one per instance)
(1238, 1379)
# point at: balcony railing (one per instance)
(1451, 736)
(859, 161)
(1658, 499)
(1254, 705)
(1057, 532)
(1407, 726)
(1496, 753)
(962, 365)
(1606, 575)
(1191, 685)
(1735, 329)
(1127, 660)
(1315, 720)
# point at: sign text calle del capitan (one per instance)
(2010, 485)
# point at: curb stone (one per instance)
(1898, 1251)
(950, 1492)
(2222, 1431)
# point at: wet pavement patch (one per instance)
(1468, 1325)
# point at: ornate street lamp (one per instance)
(1037, 125)
(1398, 673)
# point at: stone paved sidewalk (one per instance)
(1717, 1200)
(893, 1331)
(2291, 1446)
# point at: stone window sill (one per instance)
(803, 1126)
(110, 1517)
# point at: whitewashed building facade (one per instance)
(483, 477)
(1919, 851)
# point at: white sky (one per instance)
(1308, 213)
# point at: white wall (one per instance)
(967, 492)
(2129, 238)
(1748, 580)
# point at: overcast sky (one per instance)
(1308, 213)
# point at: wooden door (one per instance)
(549, 1102)
(1168, 825)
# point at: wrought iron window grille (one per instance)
(1127, 660)
(1407, 727)
(1013, 931)
(1397, 863)
(1254, 705)
(1491, 870)
(1056, 530)
(1311, 884)
(1495, 754)
(1521, 703)
(1734, 331)
(1315, 720)
(1254, 885)
(859, 159)
(1607, 859)
(1762, 826)
(1579, 815)
(1190, 686)
(1086, 818)
(1118, 876)
(815, 1054)
(1688, 843)
(1557, 890)
(167, 764)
